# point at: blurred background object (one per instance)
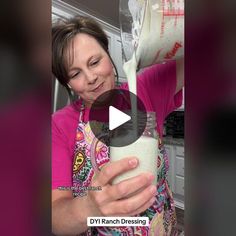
(25, 65)
(210, 85)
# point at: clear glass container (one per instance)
(145, 148)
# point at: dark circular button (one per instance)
(121, 132)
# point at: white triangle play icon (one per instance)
(117, 118)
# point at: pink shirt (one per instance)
(156, 88)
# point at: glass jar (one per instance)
(145, 148)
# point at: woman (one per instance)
(81, 62)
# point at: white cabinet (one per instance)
(110, 40)
(176, 173)
(179, 185)
(179, 151)
(115, 49)
(118, 56)
(179, 166)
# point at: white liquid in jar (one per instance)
(145, 148)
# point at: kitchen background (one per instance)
(107, 13)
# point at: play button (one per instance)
(112, 120)
(117, 118)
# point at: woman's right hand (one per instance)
(127, 198)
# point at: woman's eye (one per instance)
(94, 63)
(74, 75)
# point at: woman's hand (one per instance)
(127, 198)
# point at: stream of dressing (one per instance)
(130, 67)
(145, 148)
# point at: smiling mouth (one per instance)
(98, 87)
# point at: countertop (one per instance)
(173, 141)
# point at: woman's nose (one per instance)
(91, 77)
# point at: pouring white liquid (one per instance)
(161, 31)
(145, 148)
(161, 38)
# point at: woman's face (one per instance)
(91, 71)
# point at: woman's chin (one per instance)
(101, 96)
